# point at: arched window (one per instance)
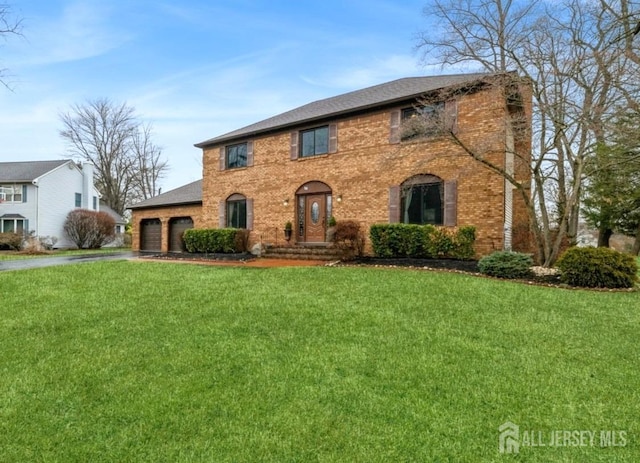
(422, 200)
(236, 211)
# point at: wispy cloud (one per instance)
(80, 30)
(367, 73)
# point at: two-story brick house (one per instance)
(356, 156)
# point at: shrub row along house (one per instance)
(36, 196)
(370, 155)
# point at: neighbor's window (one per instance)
(236, 156)
(78, 199)
(12, 226)
(422, 203)
(11, 193)
(236, 212)
(314, 141)
(422, 121)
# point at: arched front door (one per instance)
(313, 201)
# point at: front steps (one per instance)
(302, 252)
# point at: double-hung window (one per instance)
(236, 156)
(422, 121)
(314, 141)
(11, 193)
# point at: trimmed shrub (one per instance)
(506, 264)
(422, 241)
(463, 243)
(597, 268)
(214, 240)
(89, 229)
(348, 237)
(10, 241)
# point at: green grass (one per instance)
(16, 255)
(160, 362)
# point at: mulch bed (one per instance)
(450, 265)
(227, 257)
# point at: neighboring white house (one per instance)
(36, 196)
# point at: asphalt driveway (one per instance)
(38, 262)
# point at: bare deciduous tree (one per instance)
(149, 163)
(9, 25)
(579, 81)
(128, 165)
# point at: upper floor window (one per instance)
(11, 193)
(422, 121)
(236, 156)
(78, 199)
(314, 141)
(95, 203)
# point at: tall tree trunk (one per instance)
(604, 234)
(636, 244)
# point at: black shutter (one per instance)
(394, 204)
(222, 158)
(249, 214)
(450, 203)
(294, 145)
(24, 193)
(333, 138)
(394, 133)
(222, 210)
(249, 153)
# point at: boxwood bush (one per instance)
(506, 264)
(422, 241)
(214, 240)
(597, 268)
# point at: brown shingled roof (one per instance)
(388, 93)
(186, 194)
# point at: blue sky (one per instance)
(194, 69)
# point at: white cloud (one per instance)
(368, 73)
(82, 29)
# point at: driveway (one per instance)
(38, 262)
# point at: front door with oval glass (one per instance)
(315, 218)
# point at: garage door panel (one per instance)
(151, 235)
(177, 226)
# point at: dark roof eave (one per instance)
(158, 206)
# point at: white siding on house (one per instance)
(56, 197)
(25, 209)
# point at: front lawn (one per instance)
(162, 362)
